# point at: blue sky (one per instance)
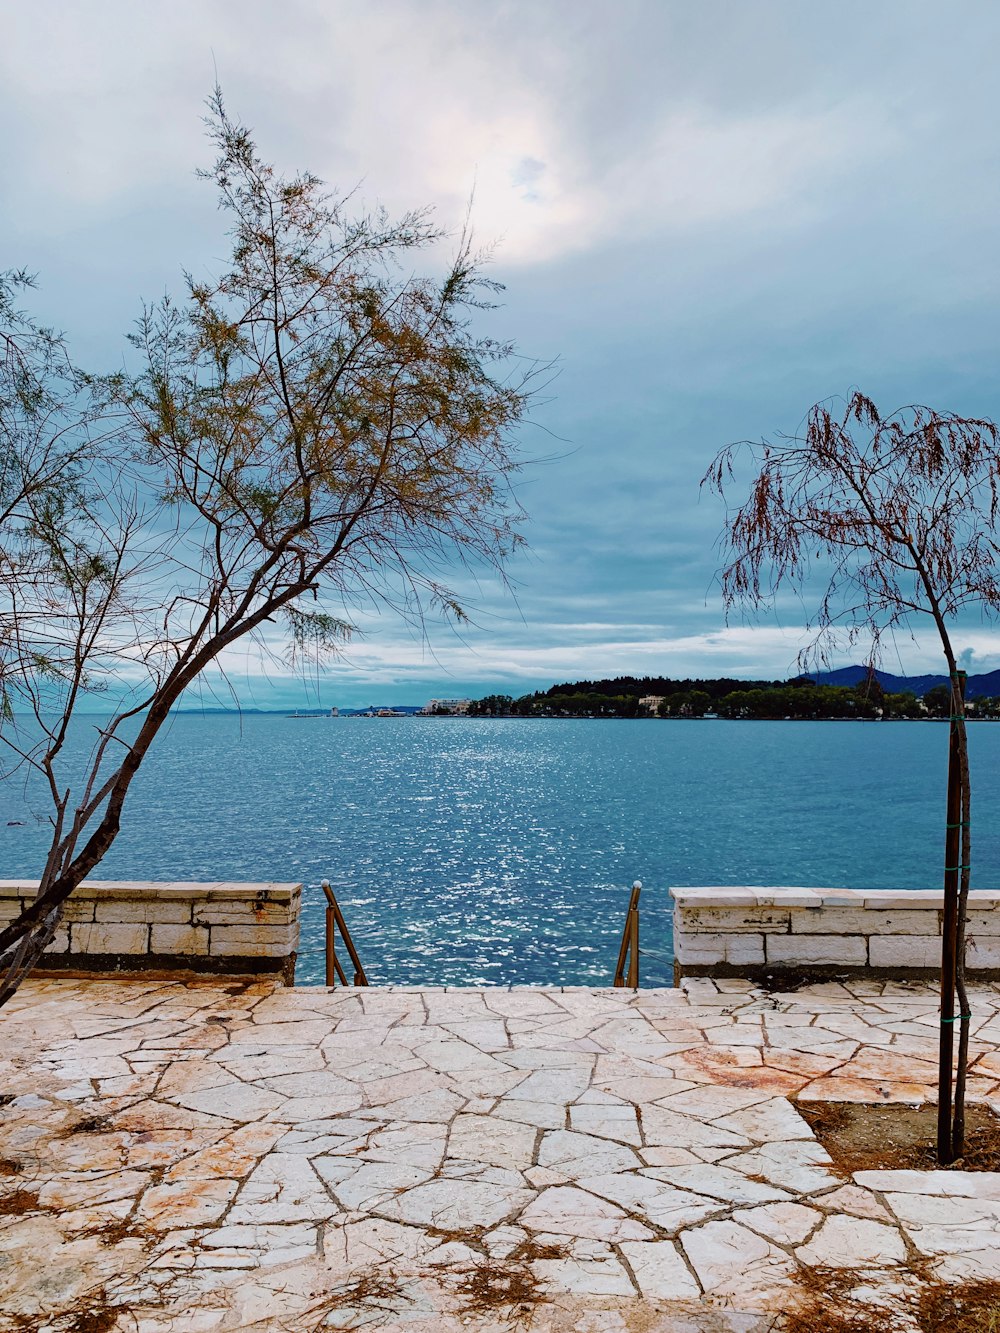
(713, 214)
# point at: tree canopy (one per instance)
(315, 428)
(901, 513)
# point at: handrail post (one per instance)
(335, 920)
(331, 948)
(633, 962)
(629, 948)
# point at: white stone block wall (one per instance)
(748, 931)
(112, 925)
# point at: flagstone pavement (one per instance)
(221, 1156)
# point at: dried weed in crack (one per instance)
(10, 1167)
(371, 1289)
(462, 1236)
(495, 1285)
(113, 1233)
(93, 1124)
(824, 1117)
(973, 1307)
(530, 1250)
(95, 1315)
(507, 1284)
(19, 1202)
(828, 1303)
(96, 1320)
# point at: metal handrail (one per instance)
(335, 921)
(628, 952)
(629, 948)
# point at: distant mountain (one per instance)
(986, 684)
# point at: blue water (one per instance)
(468, 852)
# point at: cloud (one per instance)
(520, 658)
(716, 215)
(419, 103)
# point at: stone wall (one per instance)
(746, 932)
(116, 926)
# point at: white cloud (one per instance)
(568, 652)
(421, 102)
(781, 171)
(580, 650)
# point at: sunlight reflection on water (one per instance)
(469, 851)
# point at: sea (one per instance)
(472, 852)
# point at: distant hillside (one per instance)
(840, 695)
(986, 684)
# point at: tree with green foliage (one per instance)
(937, 701)
(493, 705)
(903, 705)
(315, 428)
(699, 702)
(52, 418)
(904, 510)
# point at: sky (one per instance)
(711, 215)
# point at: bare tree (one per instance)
(903, 511)
(311, 430)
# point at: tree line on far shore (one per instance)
(801, 699)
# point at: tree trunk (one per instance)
(958, 1121)
(27, 953)
(951, 1109)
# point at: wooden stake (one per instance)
(949, 933)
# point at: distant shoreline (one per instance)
(515, 717)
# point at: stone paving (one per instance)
(221, 1156)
